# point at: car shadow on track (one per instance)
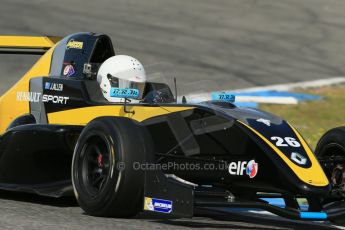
(204, 218)
(233, 220)
(33, 198)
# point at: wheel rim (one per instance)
(338, 176)
(333, 159)
(95, 164)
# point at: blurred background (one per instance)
(212, 45)
(239, 43)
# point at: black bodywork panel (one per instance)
(208, 134)
(217, 138)
(37, 158)
(93, 48)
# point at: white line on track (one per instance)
(195, 98)
(291, 86)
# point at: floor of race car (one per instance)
(26, 211)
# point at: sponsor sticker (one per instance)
(55, 99)
(53, 86)
(38, 97)
(158, 205)
(298, 158)
(264, 121)
(68, 71)
(240, 167)
(252, 169)
(29, 96)
(71, 44)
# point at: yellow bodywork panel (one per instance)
(313, 175)
(82, 116)
(28, 41)
(10, 108)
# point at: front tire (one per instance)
(104, 179)
(330, 152)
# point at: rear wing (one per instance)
(27, 44)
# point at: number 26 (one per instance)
(286, 141)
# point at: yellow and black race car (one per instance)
(61, 137)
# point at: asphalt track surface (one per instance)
(219, 44)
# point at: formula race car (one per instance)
(149, 150)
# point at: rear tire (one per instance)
(104, 179)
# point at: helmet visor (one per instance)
(136, 88)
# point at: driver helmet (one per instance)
(123, 73)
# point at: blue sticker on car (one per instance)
(124, 93)
(158, 205)
(216, 96)
(47, 85)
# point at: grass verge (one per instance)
(314, 118)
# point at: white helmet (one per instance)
(122, 75)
